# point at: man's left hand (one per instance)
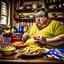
(40, 38)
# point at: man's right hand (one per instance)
(25, 36)
(40, 38)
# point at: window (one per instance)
(4, 13)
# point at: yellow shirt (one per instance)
(53, 29)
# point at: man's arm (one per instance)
(55, 41)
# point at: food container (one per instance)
(15, 37)
(34, 5)
(31, 16)
(7, 51)
(28, 6)
(19, 47)
(13, 29)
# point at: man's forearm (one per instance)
(55, 41)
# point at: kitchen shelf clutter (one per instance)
(54, 7)
(22, 8)
(54, 4)
(24, 11)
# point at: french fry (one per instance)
(33, 49)
(17, 43)
(27, 50)
(21, 51)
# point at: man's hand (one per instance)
(25, 36)
(40, 38)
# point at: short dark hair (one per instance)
(42, 9)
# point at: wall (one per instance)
(13, 22)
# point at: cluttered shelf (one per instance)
(23, 18)
(25, 10)
(55, 10)
(54, 5)
(55, 18)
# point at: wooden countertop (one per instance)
(12, 59)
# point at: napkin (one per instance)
(56, 53)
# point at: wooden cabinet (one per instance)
(23, 9)
(55, 6)
(20, 10)
(20, 15)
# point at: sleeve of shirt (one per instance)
(59, 30)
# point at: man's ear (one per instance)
(45, 14)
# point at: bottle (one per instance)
(13, 29)
(50, 0)
(54, 0)
(59, 5)
(21, 29)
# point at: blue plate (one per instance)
(61, 50)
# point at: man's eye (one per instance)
(41, 16)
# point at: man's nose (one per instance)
(38, 19)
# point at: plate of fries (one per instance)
(32, 50)
(18, 45)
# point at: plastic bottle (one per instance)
(21, 29)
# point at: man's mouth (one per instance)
(40, 25)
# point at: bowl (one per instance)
(31, 16)
(21, 46)
(7, 51)
(34, 5)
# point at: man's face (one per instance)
(41, 20)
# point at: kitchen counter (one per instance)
(12, 59)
